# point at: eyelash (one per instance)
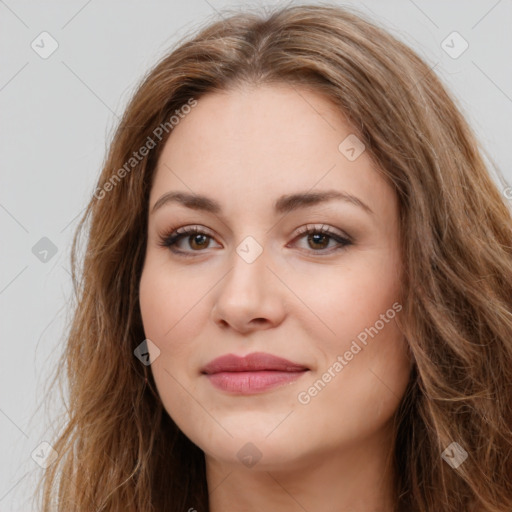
(171, 238)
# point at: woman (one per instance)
(297, 287)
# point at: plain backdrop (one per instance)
(59, 110)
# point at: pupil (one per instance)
(315, 237)
(195, 237)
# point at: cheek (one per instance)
(362, 375)
(364, 365)
(170, 302)
(169, 306)
(341, 302)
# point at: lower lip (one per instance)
(252, 382)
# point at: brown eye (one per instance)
(199, 239)
(319, 238)
(196, 239)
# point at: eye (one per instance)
(318, 239)
(197, 237)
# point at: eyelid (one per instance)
(325, 228)
(193, 228)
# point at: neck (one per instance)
(355, 478)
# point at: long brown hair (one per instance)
(119, 450)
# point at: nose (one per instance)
(250, 297)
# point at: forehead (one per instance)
(246, 147)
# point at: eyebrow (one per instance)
(283, 204)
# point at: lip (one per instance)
(253, 373)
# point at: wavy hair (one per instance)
(119, 450)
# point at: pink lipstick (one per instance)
(253, 373)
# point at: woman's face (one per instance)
(252, 281)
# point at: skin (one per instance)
(300, 299)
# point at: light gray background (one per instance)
(57, 114)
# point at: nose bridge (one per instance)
(247, 293)
(248, 262)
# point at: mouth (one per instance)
(254, 373)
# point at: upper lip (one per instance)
(257, 361)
